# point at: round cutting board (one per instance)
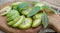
(4, 27)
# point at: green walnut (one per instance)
(5, 11)
(14, 21)
(36, 22)
(20, 21)
(26, 24)
(25, 12)
(12, 15)
(39, 15)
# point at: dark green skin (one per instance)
(14, 21)
(27, 24)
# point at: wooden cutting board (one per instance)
(54, 23)
(7, 29)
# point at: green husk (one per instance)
(27, 24)
(37, 16)
(20, 21)
(36, 22)
(5, 9)
(13, 21)
(12, 15)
